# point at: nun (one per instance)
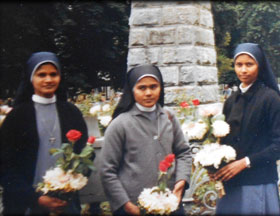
(253, 113)
(140, 135)
(40, 119)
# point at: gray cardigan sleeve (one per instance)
(182, 151)
(112, 154)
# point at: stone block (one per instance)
(204, 36)
(168, 55)
(187, 75)
(206, 94)
(182, 54)
(205, 4)
(145, 4)
(181, 14)
(206, 18)
(136, 56)
(185, 34)
(198, 74)
(153, 55)
(137, 37)
(162, 36)
(174, 93)
(186, 54)
(147, 16)
(170, 75)
(206, 56)
(187, 14)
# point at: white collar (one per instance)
(43, 100)
(243, 90)
(145, 109)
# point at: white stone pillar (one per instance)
(178, 37)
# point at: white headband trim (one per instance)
(145, 75)
(39, 64)
(247, 53)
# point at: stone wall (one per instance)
(178, 37)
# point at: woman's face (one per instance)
(147, 91)
(246, 69)
(46, 80)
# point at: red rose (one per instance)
(164, 165)
(170, 158)
(195, 102)
(91, 139)
(73, 135)
(184, 104)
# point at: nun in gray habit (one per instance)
(40, 119)
(253, 113)
(140, 135)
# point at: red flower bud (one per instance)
(170, 158)
(184, 104)
(91, 139)
(195, 102)
(164, 165)
(73, 135)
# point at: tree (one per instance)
(90, 39)
(246, 21)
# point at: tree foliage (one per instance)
(90, 38)
(246, 21)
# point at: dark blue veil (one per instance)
(25, 89)
(127, 99)
(265, 71)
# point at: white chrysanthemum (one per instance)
(105, 120)
(158, 202)
(195, 130)
(106, 108)
(213, 154)
(220, 128)
(78, 181)
(209, 111)
(58, 180)
(95, 109)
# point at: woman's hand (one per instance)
(179, 189)
(230, 170)
(131, 209)
(53, 204)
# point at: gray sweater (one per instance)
(132, 151)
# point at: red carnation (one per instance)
(73, 135)
(91, 139)
(184, 104)
(195, 102)
(170, 158)
(164, 165)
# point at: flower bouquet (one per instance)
(209, 129)
(159, 200)
(103, 113)
(71, 169)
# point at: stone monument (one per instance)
(178, 37)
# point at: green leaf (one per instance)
(76, 163)
(218, 117)
(90, 166)
(86, 151)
